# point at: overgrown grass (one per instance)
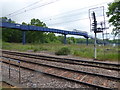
(20, 47)
(108, 53)
(63, 51)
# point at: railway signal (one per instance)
(95, 22)
(95, 31)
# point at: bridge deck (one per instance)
(38, 28)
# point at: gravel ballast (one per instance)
(36, 80)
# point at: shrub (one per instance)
(39, 49)
(35, 50)
(76, 53)
(63, 51)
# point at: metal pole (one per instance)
(65, 39)
(103, 39)
(87, 41)
(103, 44)
(95, 48)
(95, 31)
(19, 72)
(23, 37)
(9, 69)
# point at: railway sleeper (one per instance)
(68, 72)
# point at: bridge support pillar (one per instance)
(65, 41)
(23, 37)
(87, 41)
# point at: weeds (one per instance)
(103, 53)
(63, 51)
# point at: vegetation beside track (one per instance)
(103, 53)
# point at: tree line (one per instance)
(15, 36)
(10, 35)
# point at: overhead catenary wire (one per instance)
(67, 16)
(59, 15)
(24, 8)
(45, 4)
(70, 21)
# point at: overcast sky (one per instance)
(60, 14)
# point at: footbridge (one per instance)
(25, 28)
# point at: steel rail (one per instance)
(65, 78)
(65, 60)
(62, 58)
(93, 74)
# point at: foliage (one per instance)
(37, 22)
(35, 37)
(15, 36)
(116, 41)
(114, 14)
(63, 51)
(71, 40)
(103, 53)
(10, 35)
(5, 19)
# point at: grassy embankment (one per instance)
(110, 53)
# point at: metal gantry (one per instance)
(94, 24)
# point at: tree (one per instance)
(35, 36)
(51, 37)
(71, 40)
(114, 14)
(10, 35)
(37, 22)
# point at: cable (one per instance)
(70, 21)
(67, 16)
(58, 15)
(75, 10)
(52, 16)
(24, 7)
(36, 7)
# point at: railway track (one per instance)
(108, 66)
(67, 74)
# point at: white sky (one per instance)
(60, 14)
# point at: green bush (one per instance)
(76, 53)
(35, 50)
(63, 51)
(39, 49)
